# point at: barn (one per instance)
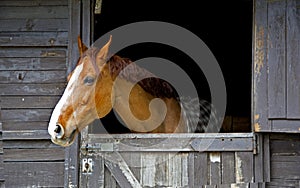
(257, 45)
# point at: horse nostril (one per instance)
(59, 131)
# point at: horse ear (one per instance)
(81, 47)
(102, 54)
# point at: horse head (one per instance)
(78, 105)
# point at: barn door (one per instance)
(276, 94)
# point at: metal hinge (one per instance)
(87, 165)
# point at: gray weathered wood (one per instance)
(293, 58)
(260, 68)
(259, 159)
(201, 169)
(34, 12)
(228, 167)
(287, 126)
(26, 134)
(277, 59)
(26, 115)
(215, 168)
(32, 89)
(29, 102)
(34, 39)
(28, 125)
(27, 174)
(26, 3)
(34, 25)
(32, 52)
(14, 77)
(31, 155)
(172, 142)
(244, 167)
(33, 64)
(29, 144)
(121, 171)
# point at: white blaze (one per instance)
(67, 93)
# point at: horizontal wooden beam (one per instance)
(169, 142)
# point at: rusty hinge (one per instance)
(87, 165)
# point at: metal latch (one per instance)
(87, 165)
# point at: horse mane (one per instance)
(153, 85)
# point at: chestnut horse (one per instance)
(98, 84)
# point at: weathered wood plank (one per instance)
(32, 52)
(214, 168)
(275, 183)
(277, 59)
(28, 102)
(133, 160)
(39, 77)
(201, 169)
(34, 12)
(286, 126)
(228, 168)
(28, 174)
(32, 89)
(266, 159)
(34, 38)
(33, 155)
(1, 169)
(29, 144)
(293, 58)
(109, 180)
(30, 3)
(287, 147)
(26, 135)
(286, 170)
(33, 64)
(28, 125)
(148, 170)
(20, 25)
(244, 167)
(171, 142)
(260, 68)
(26, 115)
(121, 172)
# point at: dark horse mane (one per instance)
(153, 85)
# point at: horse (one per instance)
(100, 83)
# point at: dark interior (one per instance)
(225, 27)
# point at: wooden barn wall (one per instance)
(276, 66)
(33, 52)
(284, 160)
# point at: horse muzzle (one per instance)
(59, 137)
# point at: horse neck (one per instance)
(132, 105)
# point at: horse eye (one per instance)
(89, 80)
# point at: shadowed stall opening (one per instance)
(225, 27)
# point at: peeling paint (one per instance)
(256, 117)
(259, 50)
(257, 127)
(215, 157)
(238, 170)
